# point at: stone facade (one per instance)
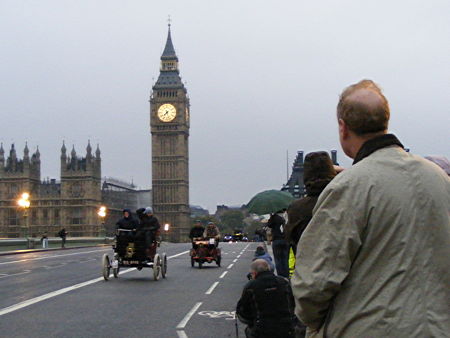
(71, 203)
(170, 146)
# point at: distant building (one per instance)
(295, 183)
(221, 209)
(197, 211)
(71, 203)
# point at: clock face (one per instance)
(167, 112)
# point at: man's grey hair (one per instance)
(259, 265)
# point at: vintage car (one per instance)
(130, 251)
(205, 250)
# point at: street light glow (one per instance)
(166, 227)
(24, 200)
(102, 211)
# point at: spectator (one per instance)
(279, 245)
(44, 240)
(266, 304)
(260, 253)
(375, 256)
(63, 234)
(318, 172)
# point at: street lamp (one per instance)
(24, 203)
(166, 231)
(102, 214)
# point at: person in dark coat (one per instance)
(197, 230)
(266, 304)
(279, 244)
(318, 172)
(127, 222)
(148, 225)
(63, 234)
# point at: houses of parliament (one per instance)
(71, 203)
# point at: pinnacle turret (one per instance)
(73, 153)
(97, 152)
(26, 151)
(63, 151)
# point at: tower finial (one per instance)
(169, 21)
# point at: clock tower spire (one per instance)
(169, 122)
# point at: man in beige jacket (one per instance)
(375, 259)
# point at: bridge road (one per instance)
(62, 294)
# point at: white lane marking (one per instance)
(188, 316)
(179, 254)
(182, 334)
(55, 256)
(49, 295)
(230, 266)
(4, 275)
(238, 256)
(211, 289)
(234, 260)
(223, 275)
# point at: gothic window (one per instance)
(45, 214)
(13, 217)
(77, 216)
(13, 190)
(76, 190)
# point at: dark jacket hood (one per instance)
(318, 172)
(129, 213)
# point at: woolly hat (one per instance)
(148, 210)
(260, 251)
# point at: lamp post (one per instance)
(102, 215)
(24, 203)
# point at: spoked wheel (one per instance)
(192, 261)
(218, 260)
(156, 267)
(106, 267)
(164, 265)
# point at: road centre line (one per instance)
(234, 260)
(223, 275)
(55, 256)
(238, 256)
(188, 316)
(182, 334)
(230, 266)
(52, 294)
(211, 289)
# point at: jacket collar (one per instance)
(375, 144)
(264, 273)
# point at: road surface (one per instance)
(62, 294)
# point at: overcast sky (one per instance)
(263, 78)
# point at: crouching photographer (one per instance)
(266, 304)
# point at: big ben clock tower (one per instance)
(169, 121)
